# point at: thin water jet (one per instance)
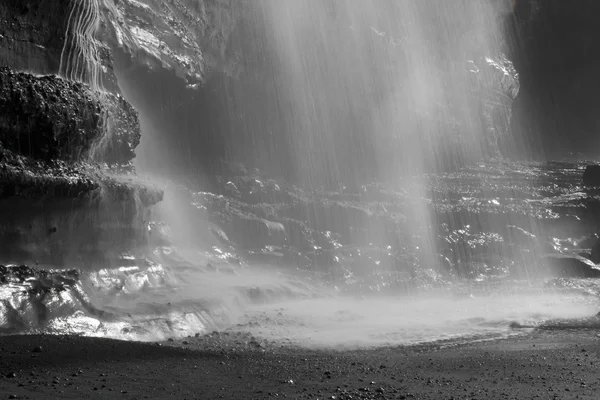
(79, 59)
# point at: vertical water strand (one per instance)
(79, 60)
(93, 58)
(65, 53)
(81, 70)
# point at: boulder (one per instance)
(520, 236)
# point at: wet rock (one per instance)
(174, 31)
(266, 256)
(344, 218)
(571, 267)
(300, 236)
(591, 176)
(520, 236)
(254, 189)
(121, 132)
(251, 232)
(77, 123)
(588, 242)
(595, 254)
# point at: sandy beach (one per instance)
(545, 364)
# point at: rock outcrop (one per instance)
(46, 117)
(67, 191)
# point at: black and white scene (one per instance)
(300, 199)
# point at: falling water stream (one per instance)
(388, 106)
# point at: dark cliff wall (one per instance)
(554, 47)
(32, 34)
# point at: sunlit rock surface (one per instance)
(186, 37)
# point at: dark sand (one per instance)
(546, 364)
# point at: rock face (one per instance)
(58, 202)
(33, 35)
(553, 48)
(50, 118)
(74, 214)
(591, 175)
(498, 86)
(186, 37)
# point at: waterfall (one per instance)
(383, 85)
